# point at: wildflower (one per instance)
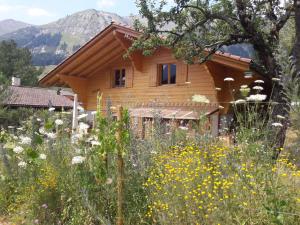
(10, 127)
(95, 143)
(51, 109)
(258, 88)
(94, 113)
(228, 79)
(78, 160)
(42, 130)
(280, 117)
(277, 125)
(45, 206)
(25, 140)
(43, 156)
(275, 79)
(257, 98)
(20, 128)
(200, 99)
(51, 135)
(248, 76)
(244, 86)
(38, 119)
(83, 128)
(82, 116)
(218, 89)
(221, 107)
(109, 181)
(259, 82)
(22, 164)
(18, 149)
(59, 122)
(183, 128)
(244, 90)
(240, 101)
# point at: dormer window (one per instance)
(167, 73)
(119, 77)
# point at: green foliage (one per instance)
(16, 62)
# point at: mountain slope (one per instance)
(8, 26)
(53, 42)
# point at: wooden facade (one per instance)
(91, 70)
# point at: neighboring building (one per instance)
(147, 84)
(35, 97)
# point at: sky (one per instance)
(39, 12)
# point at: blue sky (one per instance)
(45, 11)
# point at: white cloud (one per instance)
(5, 8)
(106, 3)
(37, 12)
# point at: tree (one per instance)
(208, 25)
(16, 62)
(296, 50)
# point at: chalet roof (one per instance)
(36, 97)
(109, 45)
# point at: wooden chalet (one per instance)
(149, 83)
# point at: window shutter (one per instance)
(129, 77)
(182, 73)
(153, 76)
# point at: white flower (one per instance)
(18, 149)
(22, 164)
(25, 140)
(43, 156)
(200, 99)
(83, 128)
(51, 135)
(95, 143)
(218, 89)
(78, 159)
(82, 116)
(108, 181)
(229, 79)
(248, 76)
(94, 113)
(51, 109)
(259, 82)
(275, 79)
(258, 88)
(277, 125)
(59, 122)
(183, 128)
(221, 107)
(38, 119)
(240, 101)
(257, 98)
(10, 127)
(20, 128)
(244, 86)
(280, 117)
(42, 130)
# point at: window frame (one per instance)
(160, 73)
(121, 85)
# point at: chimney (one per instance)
(15, 81)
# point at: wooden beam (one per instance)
(135, 57)
(94, 59)
(107, 64)
(102, 62)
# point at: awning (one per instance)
(171, 113)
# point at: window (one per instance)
(119, 78)
(167, 73)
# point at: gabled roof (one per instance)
(109, 44)
(36, 98)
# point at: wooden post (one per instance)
(75, 114)
(120, 167)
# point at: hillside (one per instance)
(8, 26)
(53, 42)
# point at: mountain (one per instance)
(53, 42)
(50, 44)
(8, 26)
